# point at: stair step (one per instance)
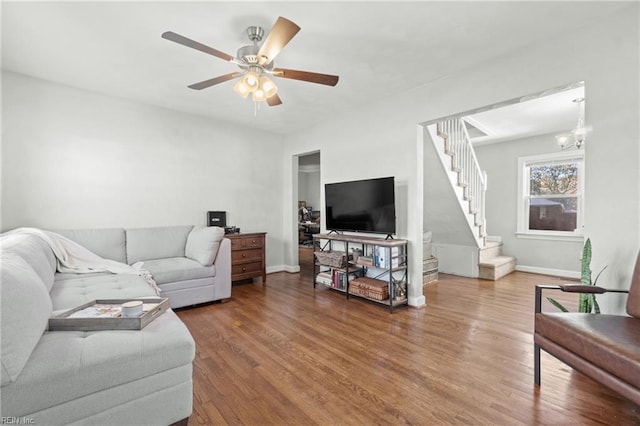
(497, 267)
(497, 261)
(490, 250)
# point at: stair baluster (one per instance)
(464, 162)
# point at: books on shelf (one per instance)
(340, 278)
(388, 257)
(337, 278)
(324, 278)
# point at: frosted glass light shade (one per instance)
(251, 80)
(268, 86)
(259, 95)
(241, 89)
(563, 139)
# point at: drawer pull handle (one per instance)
(253, 241)
(244, 254)
(244, 269)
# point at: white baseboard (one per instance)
(417, 302)
(548, 271)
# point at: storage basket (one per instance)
(369, 287)
(429, 277)
(334, 259)
(430, 264)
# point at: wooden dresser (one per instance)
(248, 256)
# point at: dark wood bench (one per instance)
(605, 348)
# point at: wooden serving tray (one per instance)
(152, 308)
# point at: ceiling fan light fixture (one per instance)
(241, 89)
(255, 61)
(268, 86)
(251, 80)
(259, 95)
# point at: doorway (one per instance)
(308, 206)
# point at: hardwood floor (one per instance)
(284, 353)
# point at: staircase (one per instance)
(472, 180)
(492, 263)
(457, 157)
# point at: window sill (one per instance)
(551, 236)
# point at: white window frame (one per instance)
(523, 230)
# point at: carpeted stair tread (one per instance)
(494, 262)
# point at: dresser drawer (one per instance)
(246, 268)
(246, 243)
(246, 255)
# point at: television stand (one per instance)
(379, 274)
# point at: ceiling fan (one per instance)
(256, 63)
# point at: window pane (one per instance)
(554, 179)
(553, 214)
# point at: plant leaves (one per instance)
(585, 278)
(599, 273)
(557, 304)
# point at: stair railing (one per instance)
(463, 161)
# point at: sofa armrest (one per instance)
(223, 270)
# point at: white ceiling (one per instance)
(538, 115)
(377, 48)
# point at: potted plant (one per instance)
(587, 302)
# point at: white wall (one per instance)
(76, 159)
(500, 161)
(383, 139)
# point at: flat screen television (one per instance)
(361, 206)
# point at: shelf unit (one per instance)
(384, 261)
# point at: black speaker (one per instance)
(217, 219)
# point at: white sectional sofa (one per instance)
(117, 377)
(190, 264)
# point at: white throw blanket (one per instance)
(74, 258)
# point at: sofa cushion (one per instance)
(156, 243)
(26, 308)
(203, 243)
(177, 269)
(35, 252)
(608, 341)
(106, 243)
(70, 364)
(71, 290)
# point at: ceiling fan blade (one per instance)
(214, 81)
(274, 100)
(177, 38)
(281, 33)
(312, 77)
